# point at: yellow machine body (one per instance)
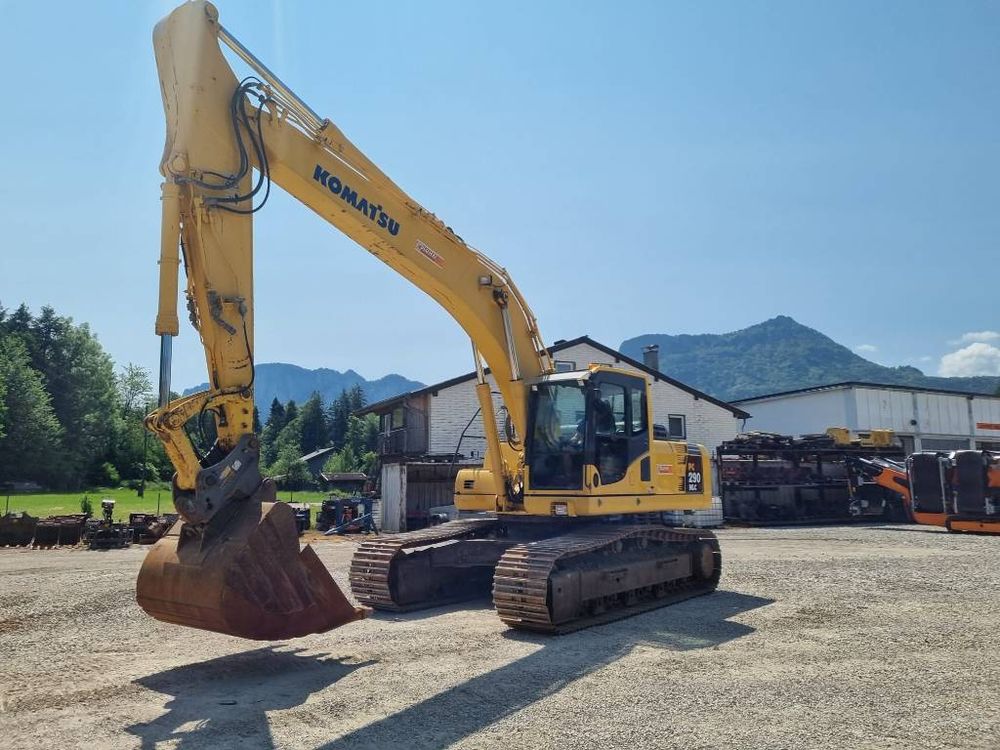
(227, 141)
(661, 475)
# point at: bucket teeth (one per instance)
(246, 577)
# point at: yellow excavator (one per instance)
(563, 523)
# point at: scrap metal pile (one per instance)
(24, 530)
(148, 527)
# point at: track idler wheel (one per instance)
(703, 557)
(243, 574)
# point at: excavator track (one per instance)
(375, 575)
(597, 575)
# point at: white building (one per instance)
(427, 434)
(924, 418)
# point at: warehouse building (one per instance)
(923, 418)
(427, 435)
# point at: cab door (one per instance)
(619, 425)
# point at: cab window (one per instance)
(638, 417)
(610, 410)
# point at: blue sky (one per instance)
(638, 167)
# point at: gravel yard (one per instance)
(847, 636)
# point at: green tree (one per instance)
(313, 424)
(79, 377)
(287, 444)
(356, 398)
(358, 451)
(257, 428)
(343, 460)
(269, 436)
(30, 449)
(276, 417)
(291, 472)
(135, 388)
(371, 432)
(3, 406)
(338, 417)
(137, 454)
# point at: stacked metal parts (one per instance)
(767, 479)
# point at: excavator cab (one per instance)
(596, 417)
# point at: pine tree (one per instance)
(276, 417)
(356, 398)
(314, 430)
(338, 418)
(30, 448)
(135, 455)
(79, 377)
(276, 420)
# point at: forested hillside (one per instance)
(69, 420)
(292, 431)
(285, 382)
(779, 354)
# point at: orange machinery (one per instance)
(959, 490)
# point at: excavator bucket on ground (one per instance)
(243, 575)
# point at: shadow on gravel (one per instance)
(915, 529)
(223, 702)
(469, 605)
(460, 711)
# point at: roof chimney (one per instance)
(651, 356)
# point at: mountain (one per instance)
(285, 382)
(777, 355)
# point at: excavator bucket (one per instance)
(245, 577)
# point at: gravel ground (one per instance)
(847, 636)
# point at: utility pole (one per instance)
(142, 479)
(145, 458)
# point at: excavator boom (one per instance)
(232, 562)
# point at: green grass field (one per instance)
(126, 501)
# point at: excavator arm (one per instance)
(228, 140)
(220, 129)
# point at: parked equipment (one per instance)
(105, 533)
(346, 515)
(147, 528)
(17, 529)
(571, 493)
(961, 488)
(303, 516)
(59, 531)
(958, 490)
(884, 482)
